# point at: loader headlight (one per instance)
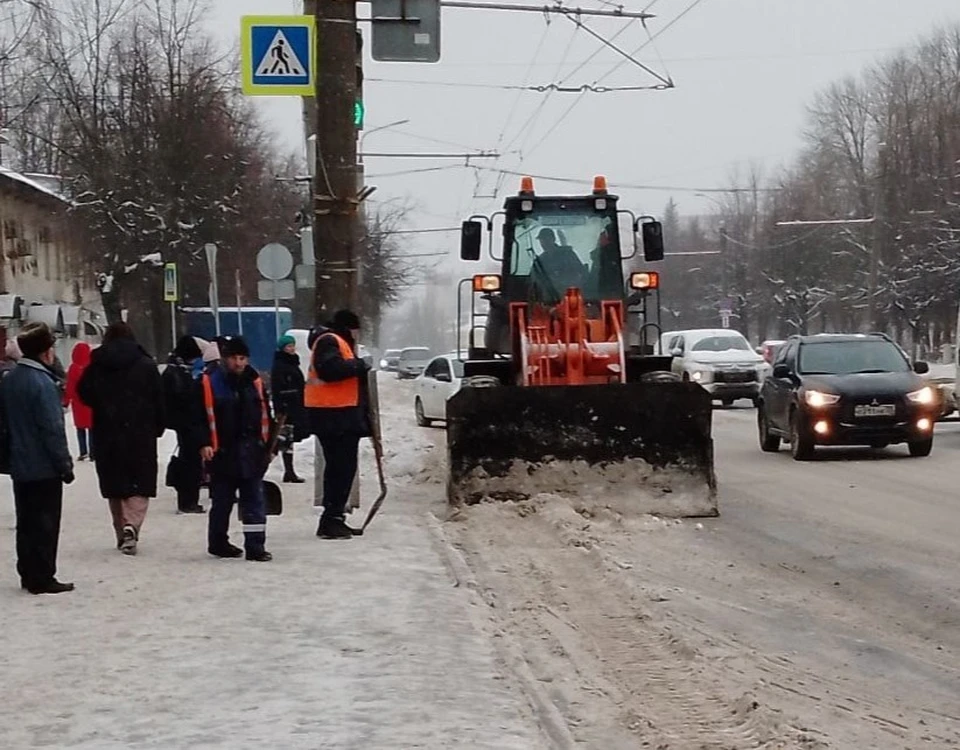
(924, 396)
(817, 399)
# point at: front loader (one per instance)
(565, 395)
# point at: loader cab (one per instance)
(551, 244)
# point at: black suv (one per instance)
(849, 389)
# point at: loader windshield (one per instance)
(562, 244)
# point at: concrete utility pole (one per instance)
(335, 184)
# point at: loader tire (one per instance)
(660, 376)
(480, 381)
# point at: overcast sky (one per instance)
(744, 72)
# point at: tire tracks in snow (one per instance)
(618, 677)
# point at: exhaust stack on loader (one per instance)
(557, 400)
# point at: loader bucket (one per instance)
(647, 444)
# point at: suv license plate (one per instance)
(867, 410)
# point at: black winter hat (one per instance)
(234, 346)
(346, 320)
(35, 339)
(187, 348)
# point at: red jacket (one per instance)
(82, 414)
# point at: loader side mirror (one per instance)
(652, 235)
(471, 240)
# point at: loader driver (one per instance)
(557, 268)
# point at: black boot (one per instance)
(259, 556)
(289, 475)
(229, 550)
(51, 587)
(332, 527)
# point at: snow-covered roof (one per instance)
(52, 315)
(31, 183)
(234, 309)
(10, 305)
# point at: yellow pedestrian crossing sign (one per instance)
(278, 55)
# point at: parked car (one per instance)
(438, 382)
(719, 359)
(412, 361)
(390, 360)
(854, 389)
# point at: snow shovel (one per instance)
(378, 452)
(272, 495)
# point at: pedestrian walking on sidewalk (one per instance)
(233, 429)
(179, 390)
(337, 401)
(39, 459)
(82, 415)
(122, 386)
(287, 383)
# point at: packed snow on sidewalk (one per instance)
(366, 643)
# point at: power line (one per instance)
(629, 186)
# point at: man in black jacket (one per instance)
(337, 401)
(179, 388)
(233, 430)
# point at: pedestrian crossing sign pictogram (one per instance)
(278, 55)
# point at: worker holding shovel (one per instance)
(337, 400)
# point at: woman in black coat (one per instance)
(123, 388)
(287, 383)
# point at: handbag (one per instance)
(175, 470)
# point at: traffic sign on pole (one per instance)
(170, 291)
(405, 30)
(278, 55)
(274, 261)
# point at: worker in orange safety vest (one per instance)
(337, 402)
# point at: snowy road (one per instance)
(820, 610)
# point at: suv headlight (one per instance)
(819, 398)
(924, 396)
(700, 376)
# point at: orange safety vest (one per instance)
(318, 394)
(209, 403)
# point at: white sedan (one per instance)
(438, 382)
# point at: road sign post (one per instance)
(211, 251)
(275, 263)
(278, 55)
(171, 295)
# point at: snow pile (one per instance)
(631, 487)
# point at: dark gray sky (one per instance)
(744, 69)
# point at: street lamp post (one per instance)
(365, 133)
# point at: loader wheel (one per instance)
(480, 381)
(768, 443)
(802, 446)
(660, 376)
(422, 420)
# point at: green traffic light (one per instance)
(358, 114)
